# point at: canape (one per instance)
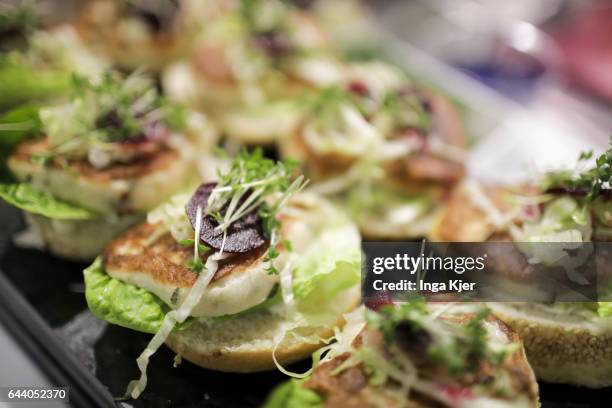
(417, 355)
(99, 162)
(41, 71)
(247, 272)
(252, 59)
(385, 148)
(567, 342)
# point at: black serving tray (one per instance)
(43, 306)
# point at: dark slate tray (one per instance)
(42, 304)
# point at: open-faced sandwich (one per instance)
(385, 148)
(142, 33)
(417, 356)
(95, 165)
(254, 56)
(247, 272)
(565, 342)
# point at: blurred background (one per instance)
(535, 77)
(537, 74)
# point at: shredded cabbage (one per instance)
(354, 324)
(172, 217)
(136, 387)
(480, 200)
(347, 131)
(329, 266)
(286, 283)
(563, 220)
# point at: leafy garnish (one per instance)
(125, 107)
(17, 20)
(459, 347)
(196, 263)
(114, 109)
(325, 101)
(21, 83)
(123, 304)
(408, 109)
(263, 16)
(28, 198)
(593, 182)
(190, 242)
(254, 183)
(387, 319)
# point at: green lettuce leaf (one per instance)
(28, 198)
(15, 126)
(331, 265)
(291, 394)
(604, 309)
(18, 124)
(564, 220)
(123, 304)
(21, 84)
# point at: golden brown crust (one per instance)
(562, 351)
(462, 221)
(415, 170)
(164, 259)
(157, 160)
(99, 26)
(447, 120)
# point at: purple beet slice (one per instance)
(244, 235)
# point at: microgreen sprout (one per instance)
(593, 181)
(457, 346)
(196, 263)
(111, 110)
(408, 109)
(126, 107)
(254, 183)
(20, 18)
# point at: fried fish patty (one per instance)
(161, 267)
(120, 188)
(463, 221)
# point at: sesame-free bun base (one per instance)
(562, 349)
(245, 344)
(79, 240)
